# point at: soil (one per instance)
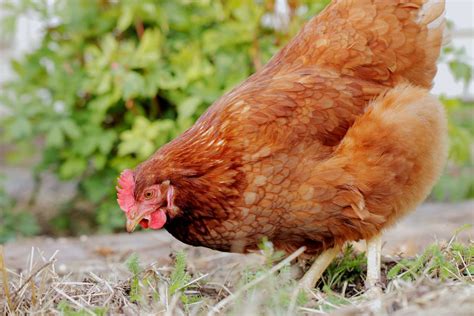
(429, 223)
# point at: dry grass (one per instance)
(437, 282)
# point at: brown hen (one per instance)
(333, 140)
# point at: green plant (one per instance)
(344, 270)
(133, 265)
(457, 182)
(452, 261)
(179, 278)
(68, 310)
(143, 282)
(111, 81)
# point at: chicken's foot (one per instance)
(317, 269)
(315, 272)
(373, 282)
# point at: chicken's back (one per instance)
(386, 41)
(321, 81)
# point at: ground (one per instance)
(431, 222)
(104, 256)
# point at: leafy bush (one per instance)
(111, 81)
(458, 181)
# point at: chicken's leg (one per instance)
(374, 250)
(318, 267)
(314, 273)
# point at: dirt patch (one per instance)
(431, 222)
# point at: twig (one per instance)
(98, 279)
(74, 301)
(222, 286)
(465, 268)
(5, 280)
(33, 292)
(249, 285)
(311, 310)
(193, 281)
(30, 278)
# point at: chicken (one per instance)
(335, 139)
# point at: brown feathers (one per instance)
(298, 153)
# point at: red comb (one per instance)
(125, 189)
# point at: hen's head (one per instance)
(146, 204)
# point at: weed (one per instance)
(68, 310)
(454, 261)
(179, 277)
(346, 269)
(133, 266)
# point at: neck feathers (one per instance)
(204, 170)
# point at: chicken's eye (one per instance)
(148, 194)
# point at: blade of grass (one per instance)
(6, 289)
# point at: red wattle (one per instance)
(157, 219)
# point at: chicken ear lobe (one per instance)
(171, 208)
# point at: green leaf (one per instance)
(105, 83)
(72, 167)
(102, 103)
(461, 71)
(133, 85)
(144, 137)
(20, 128)
(55, 137)
(100, 161)
(70, 128)
(95, 188)
(189, 106)
(148, 51)
(126, 18)
(106, 141)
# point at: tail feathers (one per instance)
(431, 22)
(386, 41)
(432, 13)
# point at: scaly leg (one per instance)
(317, 269)
(374, 251)
(312, 276)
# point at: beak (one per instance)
(131, 224)
(140, 212)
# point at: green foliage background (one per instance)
(113, 80)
